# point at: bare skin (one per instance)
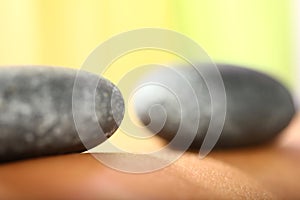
(276, 165)
(265, 172)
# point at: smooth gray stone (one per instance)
(258, 107)
(36, 116)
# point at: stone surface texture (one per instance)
(258, 106)
(37, 111)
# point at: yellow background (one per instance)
(256, 33)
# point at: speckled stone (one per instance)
(36, 115)
(258, 107)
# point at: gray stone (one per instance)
(36, 111)
(258, 107)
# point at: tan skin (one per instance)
(269, 171)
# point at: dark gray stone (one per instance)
(36, 115)
(258, 107)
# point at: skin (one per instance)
(264, 172)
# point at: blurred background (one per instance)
(261, 34)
